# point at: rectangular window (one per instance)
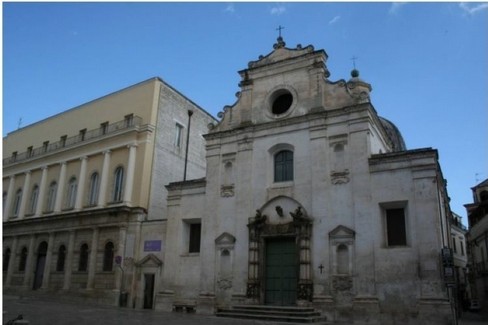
(395, 227)
(29, 152)
(129, 120)
(194, 240)
(454, 248)
(63, 140)
(14, 155)
(462, 246)
(45, 146)
(82, 134)
(104, 128)
(178, 133)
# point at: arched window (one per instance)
(6, 259)
(225, 264)
(342, 259)
(118, 182)
(108, 257)
(33, 199)
(23, 259)
(51, 197)
(228, 174)
(283, 166)
(83, 262)
(71, 198)
(61, 258)
(17, 200)
(484, 196)
(93, 193)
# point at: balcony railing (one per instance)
(71, 141)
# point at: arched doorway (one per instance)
(41, 263)
(279, 254)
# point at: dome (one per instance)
(394, 135)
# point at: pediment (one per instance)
(281, 53)
(342, 232)
(150, 260)
(225, 239)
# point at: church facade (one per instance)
(301, 194)
(310, 199)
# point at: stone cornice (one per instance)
(317, 114)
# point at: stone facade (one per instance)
(477, 238)
(84, 196)
(305, 168)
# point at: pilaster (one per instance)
(102, 194)
(93, 259)
(129, 182)
(81, 183)
(69, 261)
(8, 202)
(30, 263)
(13, 262)
(47, 266)
(25, 195)
(42, 192)
(61, 183)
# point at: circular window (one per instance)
(282, 102)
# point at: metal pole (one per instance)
(190, 113)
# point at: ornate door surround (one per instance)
(259, 230)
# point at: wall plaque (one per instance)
(152, 245)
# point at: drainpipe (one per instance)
(190, 113)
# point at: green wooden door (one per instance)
(281, 272)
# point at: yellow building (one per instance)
(84, 200)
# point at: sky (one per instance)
(427, 62)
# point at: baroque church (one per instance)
(301, 195)
(310, 199)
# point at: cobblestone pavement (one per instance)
(469, 318)
(52, 312)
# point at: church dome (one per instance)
(394, 135)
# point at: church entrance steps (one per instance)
(273, 313)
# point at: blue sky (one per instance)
(427, 62)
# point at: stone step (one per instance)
(274, 313)
(274, 308)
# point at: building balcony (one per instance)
(101, 132)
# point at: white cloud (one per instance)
(278, 10)
(230, 8)
(396, 6)
(473, 8)
(334, 20)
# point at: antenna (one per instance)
(19, 123)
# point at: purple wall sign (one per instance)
(152, 245)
